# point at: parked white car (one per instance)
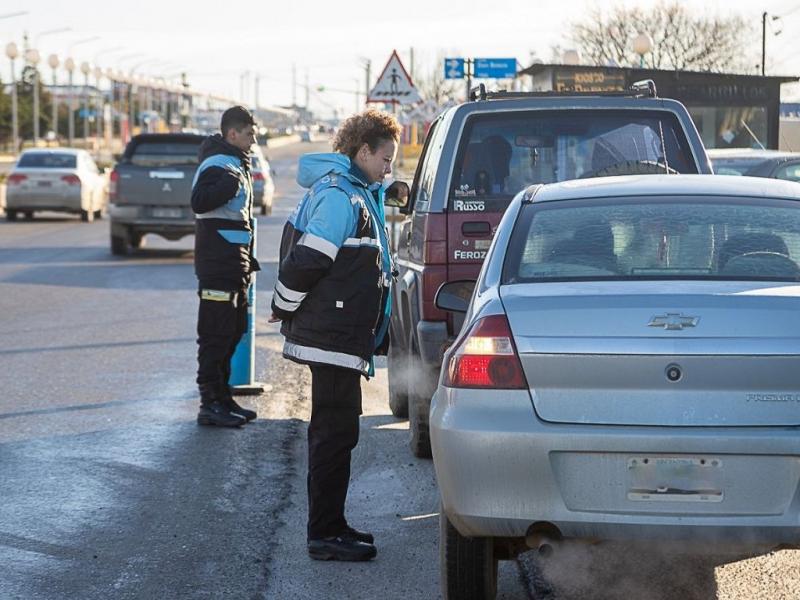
(263, 184)
(58, 179)
(627, 369)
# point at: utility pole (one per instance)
(763, 43)
(294, 84)
(258, 84)
(468, 68)
(368, 68)
(306, 89)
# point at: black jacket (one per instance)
(222, 199)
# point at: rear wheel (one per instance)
(468, 566)
(119, 245)
(417, 377)
(11, 215)
(398, 381)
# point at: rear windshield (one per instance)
(48, 160)
(164, 154)
(674, 238)
(500, 154)
(735, 166)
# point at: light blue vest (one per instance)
(238, 208)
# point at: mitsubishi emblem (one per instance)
(673, 321)
(167, 187)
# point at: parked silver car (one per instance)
(58, 179)
(627, 369)
(263, 184)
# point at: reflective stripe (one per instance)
(365, 241)
(235, 236)
(288, 294)
(316, 355)
(329, 249)
(285, 304)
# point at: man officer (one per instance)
(222, 199)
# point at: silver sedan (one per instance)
(62, 180)
(627, 369)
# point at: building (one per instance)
(730, 111)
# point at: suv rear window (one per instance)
(164, 154)
(500, 154)
(669, 238)
(48, 160)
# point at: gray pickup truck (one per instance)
(150, 189)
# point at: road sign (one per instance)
(495, 68)
(454, 68)
(394, 85)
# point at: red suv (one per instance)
(477, 156)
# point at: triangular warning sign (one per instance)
(394, 85)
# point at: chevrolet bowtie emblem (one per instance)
(673, 321)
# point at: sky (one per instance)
(218, 43)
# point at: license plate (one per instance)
(167, 213)
(45, 184)
(675, 479)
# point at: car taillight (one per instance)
(16, 178)
(258, 176)
(71, 179)
(486, 358)
(112, 184)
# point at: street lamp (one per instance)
(85, 69)
(69, 65)
(12, 52)
(100, 104)
(642, 44)
(53, 62)
(32, 56)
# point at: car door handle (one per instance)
(408, 236)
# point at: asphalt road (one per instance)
(108, 488)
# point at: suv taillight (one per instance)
(112, 185)
(486, 358)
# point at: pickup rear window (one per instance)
(48, 160)
(502, 153)
(659, 238)
(164, 154)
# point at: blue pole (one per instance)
(244, 358)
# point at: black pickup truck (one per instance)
(150, 189)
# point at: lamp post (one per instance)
(100, 104)
(85, 69)
(642, 44)
(69, 65)
(32, 57)
(12, 52)
(53, 63)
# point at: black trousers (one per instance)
(220, 326)
(332, 435)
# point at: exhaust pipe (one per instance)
(543, 537)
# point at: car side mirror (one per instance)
(454, 296)
(397, 194)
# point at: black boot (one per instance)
(234, 407)
(213, 410)
(340, 548)
(360, 536)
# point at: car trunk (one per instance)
(46, 183)
(167, 186)
(625, 353)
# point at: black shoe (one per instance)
(340, 548)
(215, 413)
(358, 536)
(235, 409)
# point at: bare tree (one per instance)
(681, 40)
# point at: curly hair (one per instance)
(371, 127)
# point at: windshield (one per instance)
(673, 238)
(165, 154)
(502, 153)
(48, 160)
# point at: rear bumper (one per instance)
(501, 469)
(55, 201)
(139, 219)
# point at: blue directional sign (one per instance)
(454, 68)
(495, 68)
